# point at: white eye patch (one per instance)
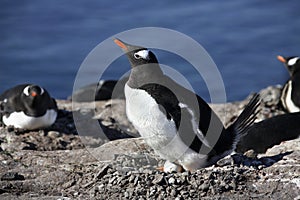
(26, 90)
(42, 90)
(144, 54)
(293, 61)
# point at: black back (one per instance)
(270, 132)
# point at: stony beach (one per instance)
(71, 160)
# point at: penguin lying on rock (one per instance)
(27, 106)
(273, 131)
(270, 132)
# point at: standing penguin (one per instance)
(28, 107)
(290, 96)
(177, 123)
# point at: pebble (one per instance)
(54, 134)
(204, 187)
(171, 180)
(158, 179)
(250, 154)
(102, 172)
(12, 176)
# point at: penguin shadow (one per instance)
(258, 163)
(81, 123)
(87, 124)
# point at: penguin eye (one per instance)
(136, 56)
(144, 54)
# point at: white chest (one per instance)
(159, 132)
(144, 113)
(20, 120)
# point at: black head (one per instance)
(34, 95)
(292, 63)
(144, 65)
(137, 55)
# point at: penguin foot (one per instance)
(170, 167)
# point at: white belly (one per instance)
(20, 120)
(158, 132)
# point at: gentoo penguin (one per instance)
(290, 96)
(27, 106)
(178, 124)
(270, 132)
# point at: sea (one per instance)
(46, 42)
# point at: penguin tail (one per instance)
(246, 119)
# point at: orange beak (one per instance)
(120, 44)
(281, 59)
(34, 94)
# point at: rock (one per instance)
(102, 172)
(287, 146)
(159, 179)
(12, 176)
(54, 134)
(250, 154)
(108, 151)
(104, 90)
(171, 181)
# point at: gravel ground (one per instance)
(63, 162)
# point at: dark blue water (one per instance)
(45, 42)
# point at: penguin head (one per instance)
(292, 63)
(137, 55)
(33, 94)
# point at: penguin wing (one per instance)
(183, 116)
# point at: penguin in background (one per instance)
(290, 96)
(269, 132)
(273, 131)
(28, 107)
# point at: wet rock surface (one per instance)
(73, 160)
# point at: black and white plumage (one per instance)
(178, 124)
(290, 96)
(27, 106)
(270, 132)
